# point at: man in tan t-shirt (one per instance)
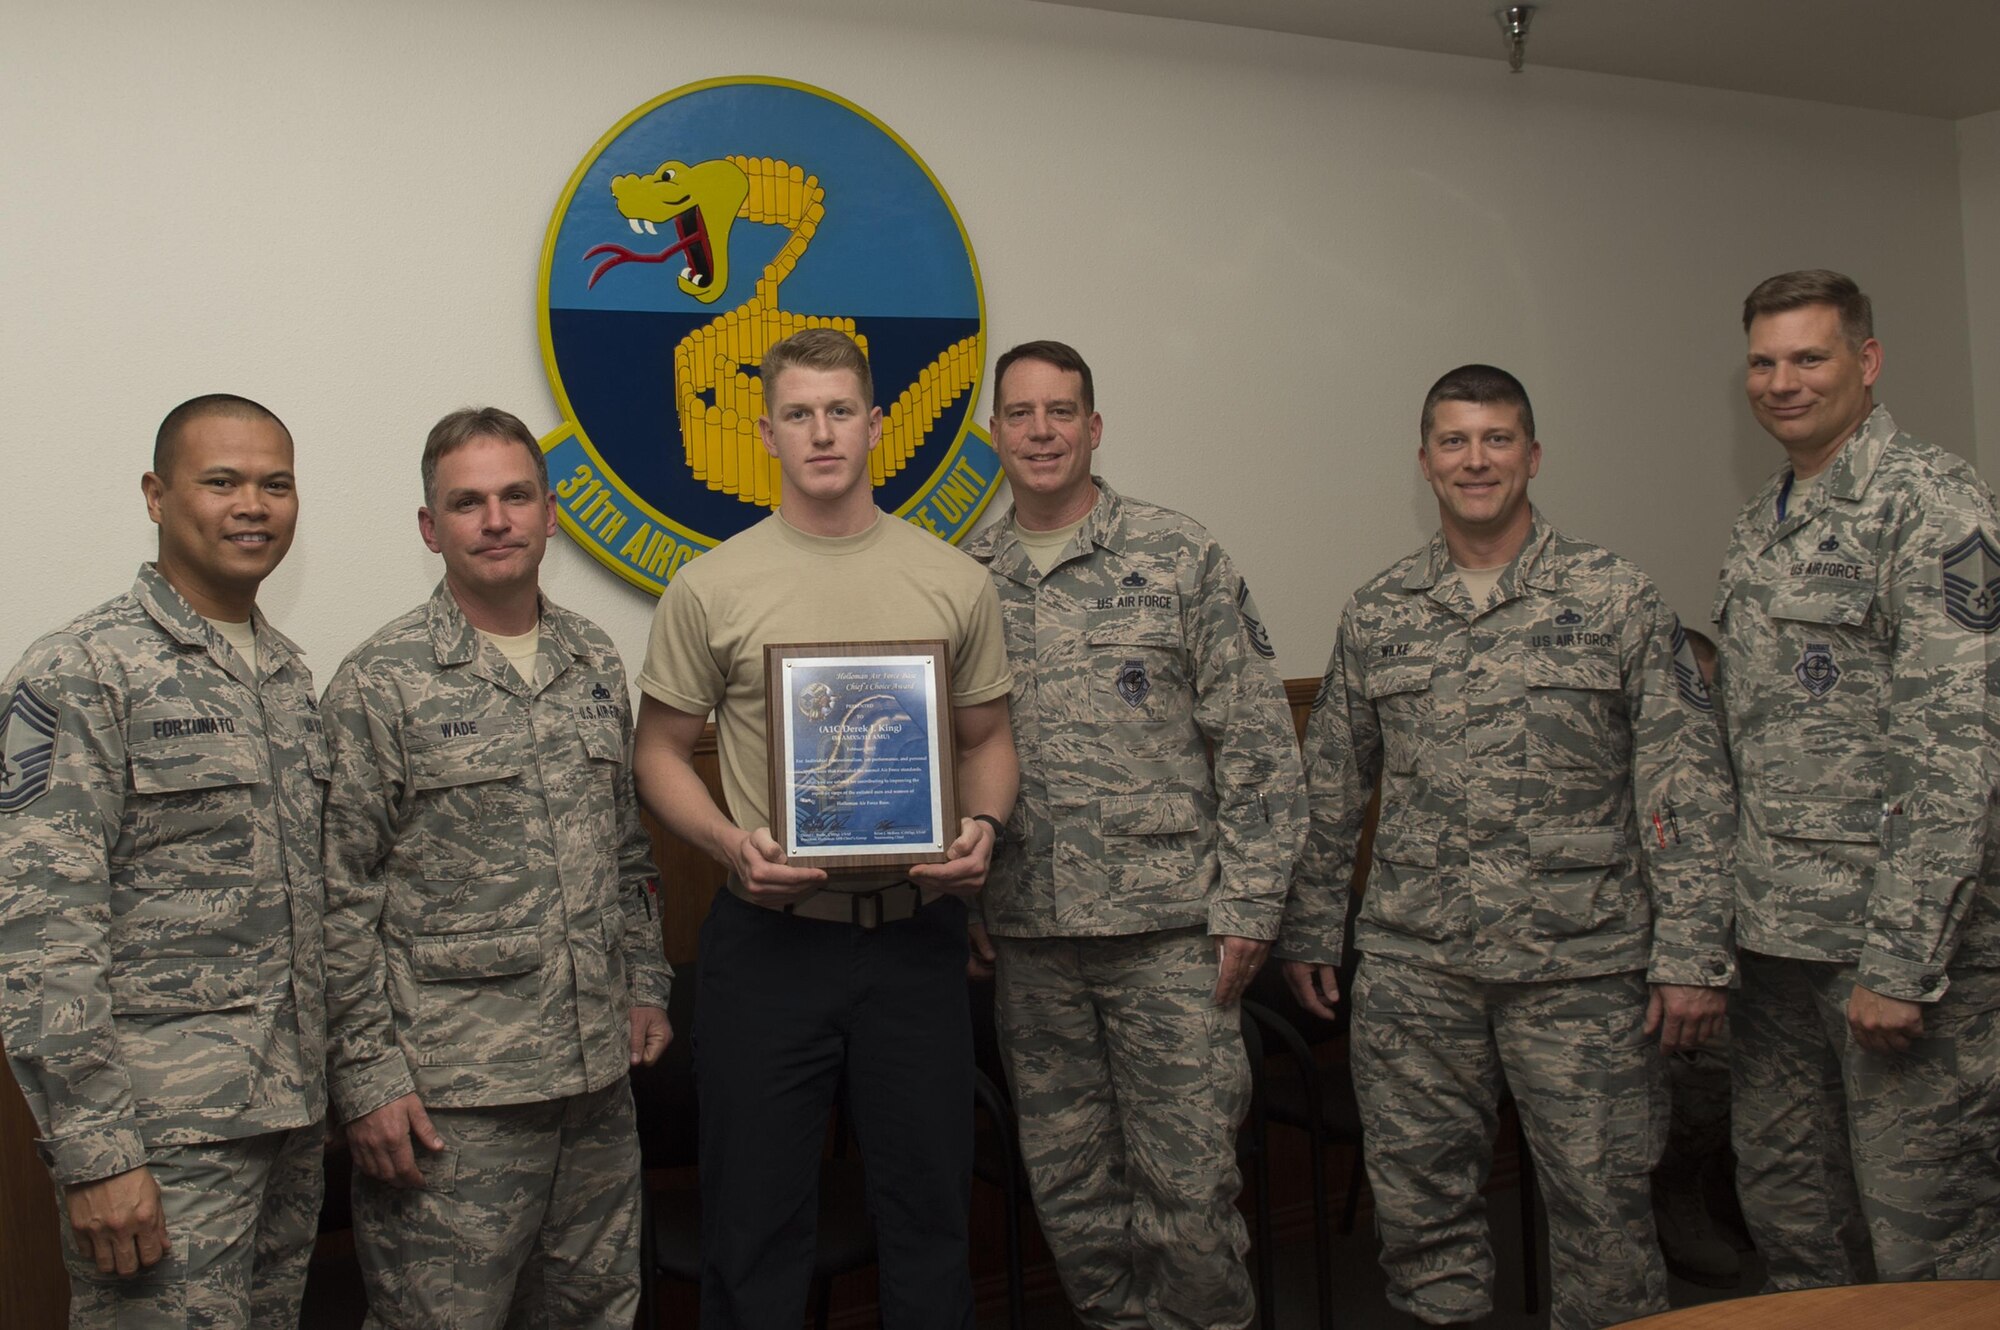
(797, 983)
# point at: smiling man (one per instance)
(1548, 893)
(1161, 808)
(1857, 614)
(161, 780)
(805, 985)
(493, 957)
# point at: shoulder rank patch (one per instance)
(1972, 583)
(1325, 691)
(1260, 640)
(27, 749)
(1817, 672)
(1687, 673)
(1134, 683)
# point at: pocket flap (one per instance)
(1147, 814)
(441, 766)
(1819, 817)
(475, 955)
(317, 761)
(1134, 628)
(207, 762)
(602, 742)
(1574, 847)
(1400, 842)
(1846, 606)
(183, 985)
(1388, 680)
(1591, 673)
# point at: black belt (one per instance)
(864, 909)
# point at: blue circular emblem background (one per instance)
(889, 253)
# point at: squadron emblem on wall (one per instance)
(708, 224)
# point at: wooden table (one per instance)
(1962, 1304)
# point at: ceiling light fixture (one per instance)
(1514, 24)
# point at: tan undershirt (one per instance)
(1802, 487)
(521, 652)
(1045, 547)
(242, 636)
(1479, 583)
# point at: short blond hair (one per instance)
(822, 349)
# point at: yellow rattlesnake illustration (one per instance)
(717, 399)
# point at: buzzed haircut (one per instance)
(1482, 385)
(1814, 286)
(167, 441)
(1059, 354)
(826, 349)
(464, 425)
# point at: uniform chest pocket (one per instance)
(470, 811)
(1138, 663)
(191, 820)
(1576, 713)
(602, 741)
(1405, 708)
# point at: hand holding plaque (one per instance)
(863, 771)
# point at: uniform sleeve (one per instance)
(1683, 799)
(1343, 761)
(646, 968)
(680, 669)
(1939, 742)
(365, 1067)
(979, 672)
(60, 814)
(1239, 706)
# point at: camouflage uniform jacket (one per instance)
(489, 907)
(1555, 802)
(1133, 657)
(160, 892)
(1860, 677)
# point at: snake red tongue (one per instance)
(693, 243)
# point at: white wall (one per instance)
(1268, 246)
(1979, 200)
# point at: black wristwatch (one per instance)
(999, 828)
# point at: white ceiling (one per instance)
(1926, 57)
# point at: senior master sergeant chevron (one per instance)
(1146, 877)
(161, 779)
(1861, 685)
(1548, 886)
(493, 961)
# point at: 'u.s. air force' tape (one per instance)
(27, 749)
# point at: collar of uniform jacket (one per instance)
(1847, 478)
(1103, 525)
(171, 611)
(456, 642)
(1533, 566)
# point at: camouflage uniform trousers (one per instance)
(1429, 1051)
(529, 1217)
(241, 1219)
(1854, 1164)
(1130, 1084)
